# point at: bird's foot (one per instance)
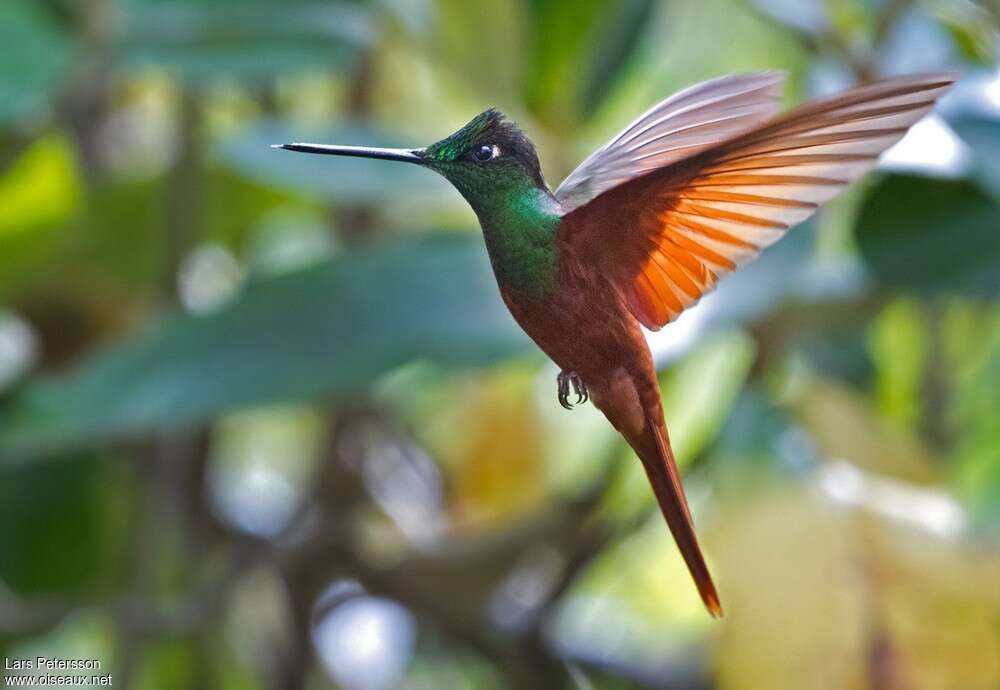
(564, 380)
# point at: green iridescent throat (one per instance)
(520, 234)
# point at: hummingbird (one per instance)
(690, 190)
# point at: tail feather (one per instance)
(658, 459)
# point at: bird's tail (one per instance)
(657, 457)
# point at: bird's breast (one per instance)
(581, 323)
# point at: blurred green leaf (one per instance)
(117, 241)
(467, 32)
(982, 134)
(807, 16)
(170, 663)
(61, 525)
(699, 393)
(854, 20)
(972, 27)
(331, 329)
(578, 53)
(38, 192)
(931, 236)
(899, 345)
(206, 41)
(234, 204)
(34, 59)
(971, 335)
(115, 244)
(40, 188)
(844, 425)
(687, 50)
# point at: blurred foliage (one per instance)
(36, 58)
(900, 229)
(282, 339)
(265, 423)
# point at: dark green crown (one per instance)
(493, 128)
(463, 140)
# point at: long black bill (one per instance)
(405, 155)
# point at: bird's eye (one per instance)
(486, 152)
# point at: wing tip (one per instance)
(766, 76)
(770, 81)
(934, 82)
(920, 81)
(711, 600)
(775, 76)
(944, 77)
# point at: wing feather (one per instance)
(673, 216)
(675, 128)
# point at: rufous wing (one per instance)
(665, 236)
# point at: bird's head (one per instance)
(486, 158)
(488, 154)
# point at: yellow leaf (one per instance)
(847, 428)
(41, 187)
(499, 468)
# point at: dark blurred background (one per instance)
(264, 422)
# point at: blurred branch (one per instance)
(450, 586)
(888, 18)
(170, 480)
(85, 103)
(355, 223)
(789, 325)
(138, 613)
(183, 203)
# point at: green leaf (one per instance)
(579, 52)
(330, 329)
(612, 52)
(482, 43)
(41, 188)
(171, 662)
(61, 525)
(900, 347)
(206, 41)
(34, 59)
(931, 236)
(971, 350)
(38, 192)
(700, 391)
(972, 29)
(983, 137)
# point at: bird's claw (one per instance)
(564, 380)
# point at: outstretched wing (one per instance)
(690, 120)
(666, 235)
